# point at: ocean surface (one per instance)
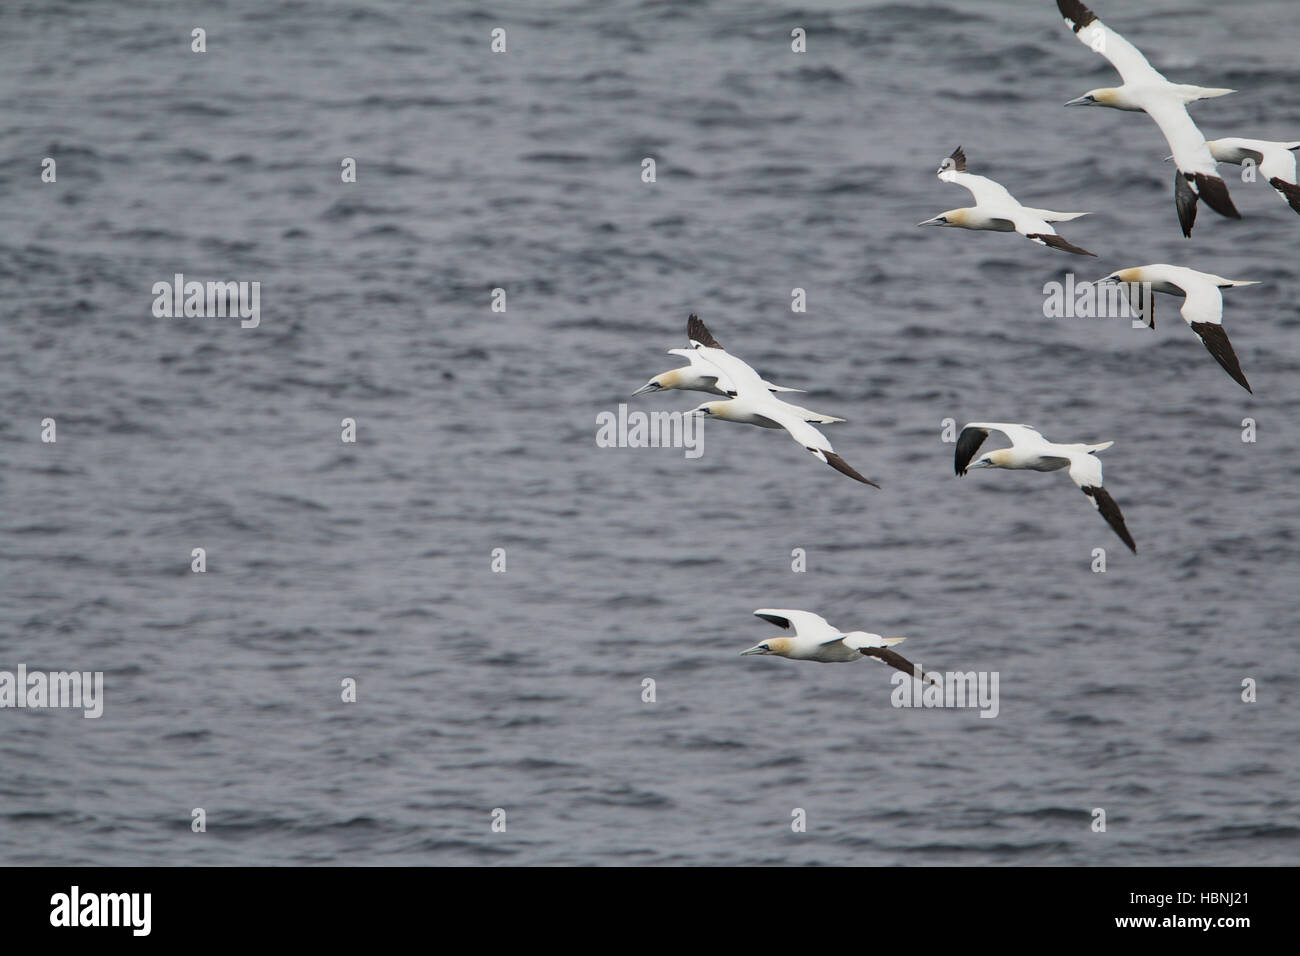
(476, 430)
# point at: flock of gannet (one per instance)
(749, 399)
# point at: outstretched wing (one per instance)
(1096, 36)
(803, 623)
(1203, 311)
(697, 331)
(1085, 471)
(789, 418)
(894, 659)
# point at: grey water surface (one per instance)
(477, 431)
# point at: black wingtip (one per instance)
(1215, 193)
(1290, 190)
(1059, 242)
(968, 443)
(959, 157)
(1074, 11)
(1110, 511)
(1216, 343)
(1185, 203)
(843, 467)
(697, 331)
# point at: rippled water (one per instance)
(522, 690)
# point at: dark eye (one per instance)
(765, 647)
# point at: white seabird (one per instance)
(1146, 90)
(755, 405)
(1030, 450)
(1275, 161)
(1202, 306)
(698, 376)
(816, 640)
(997, 210)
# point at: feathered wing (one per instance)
(811, 439)
(1085, 471)
(1127, 59)
(803, 623)
(895, 659)
(1203, 311)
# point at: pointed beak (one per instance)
(756, 649)
(1079, 101)
(931, 222)
(1109, 278)
(1168, 159)
(647, 387)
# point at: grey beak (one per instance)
(930, 222)
(1078, 101)
(753, 650)
(647, 387)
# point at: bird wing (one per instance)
(1085, 471)
(787, 416)
(895, 659)
(699, 332)
(986, 191)
(1185, 139)
(1203, 311)
(740, 373)
(1092, 33)
(803, 623)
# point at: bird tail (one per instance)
(782, 388)
(1048, 215)
(1193, 93)
(1093, 449)
(891, 641)
(809, 415)
(1233, 283)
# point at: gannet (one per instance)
(1202, 306)
(815, 640)
(698, 376)
(1275, 161)
(755, 405)
(997, 210)
(1030, 450)
(1146, 90)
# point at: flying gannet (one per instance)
(815, 640)
(997, 210)
(1202, 306)
(1030, 450)
(699, 376)
(755, 405)
(1146, 90)
(1275, 161)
